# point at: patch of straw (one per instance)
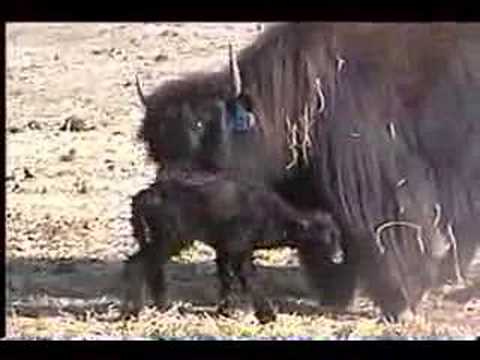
(389, 224)
(307, 141)
(392, 131)
(453, 240)
(438, 214)
(292, 131)
(318, 88)
(307, 124)
(340, 63)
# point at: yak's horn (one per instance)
(234, 72)
(139, 91)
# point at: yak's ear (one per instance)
(235, 77)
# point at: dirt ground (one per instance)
(69, 188)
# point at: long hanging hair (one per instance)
(384, 115)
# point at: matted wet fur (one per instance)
(394, 136)
(235, 218)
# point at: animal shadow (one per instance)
(51, 288)
(465, 294)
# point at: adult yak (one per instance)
(374, 122)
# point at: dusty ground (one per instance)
(68, 196)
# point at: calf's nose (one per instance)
(338, 257)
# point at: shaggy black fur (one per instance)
(235, 218)
(399, 139)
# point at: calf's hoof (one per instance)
(265, 313)
(225, 308)
(161, 305)
(129, 313)
(389, 318)
(406, 315)
(265, 317)
(332, 310)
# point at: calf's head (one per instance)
(319, 236)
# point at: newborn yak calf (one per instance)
(235, 218)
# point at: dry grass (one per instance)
(67, 213)
(179, 322)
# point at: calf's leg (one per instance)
(157, 255)
(249, 280)
(240, 253)
(224, 273)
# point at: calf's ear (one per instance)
(303, 224)
(323, 217)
